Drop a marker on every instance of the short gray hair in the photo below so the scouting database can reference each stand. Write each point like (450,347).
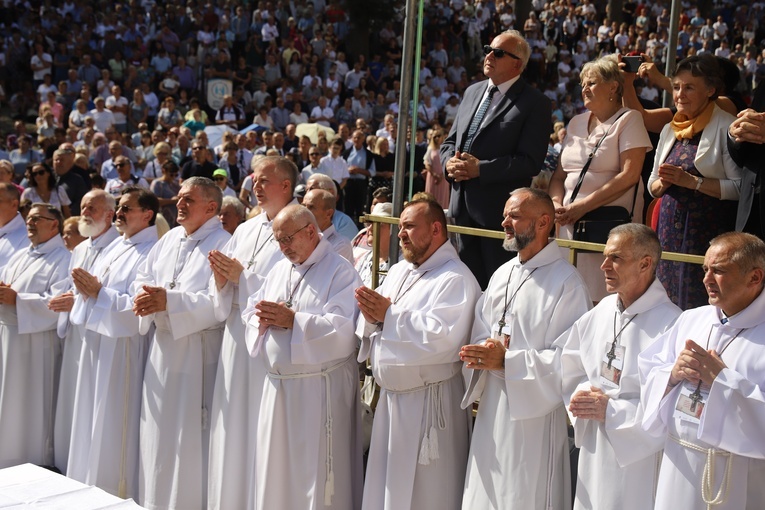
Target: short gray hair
(523,49)
(748,251)
(236,204)
(209,189)
(324,182)
(643,241)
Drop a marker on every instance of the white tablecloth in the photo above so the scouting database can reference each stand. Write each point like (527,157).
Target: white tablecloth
(31,487)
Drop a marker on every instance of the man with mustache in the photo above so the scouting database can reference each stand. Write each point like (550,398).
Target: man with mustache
(519,450)
(412,328)
(31,353)
(104,441)
(95,223)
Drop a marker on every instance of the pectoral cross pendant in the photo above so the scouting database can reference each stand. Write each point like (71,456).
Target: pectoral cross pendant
(288,304)
(696,397)
(611,355)
(172,285)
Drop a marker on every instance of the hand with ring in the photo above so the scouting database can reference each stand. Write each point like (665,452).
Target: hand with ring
(489,355)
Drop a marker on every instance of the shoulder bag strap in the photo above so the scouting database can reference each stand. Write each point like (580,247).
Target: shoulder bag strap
(589,160)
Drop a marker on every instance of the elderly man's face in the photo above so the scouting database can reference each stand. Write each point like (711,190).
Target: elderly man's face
(620,266)
(41,226)
(229,218)
(296,241)
(726,284)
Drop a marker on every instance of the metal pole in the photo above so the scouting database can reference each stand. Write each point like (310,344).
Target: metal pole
(403,121)
(415,98)
(669,69)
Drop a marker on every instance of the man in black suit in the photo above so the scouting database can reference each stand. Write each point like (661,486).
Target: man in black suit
(497,144)
(746,144)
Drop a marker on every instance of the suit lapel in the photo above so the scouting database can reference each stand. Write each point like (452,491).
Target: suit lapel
(505,102)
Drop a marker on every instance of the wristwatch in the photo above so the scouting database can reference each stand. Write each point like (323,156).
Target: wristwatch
(699,182)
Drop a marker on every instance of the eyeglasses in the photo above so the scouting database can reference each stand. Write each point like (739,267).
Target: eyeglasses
(39,173)
(163,154)
(220,178)
(34,219)
(197,148)
(126,209)
(314,154)
(120,165)
(499,52)
(287,240)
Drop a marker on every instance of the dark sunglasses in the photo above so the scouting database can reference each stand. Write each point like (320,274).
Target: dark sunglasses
(499,52)
(220,178)
(39,173)
(120,165)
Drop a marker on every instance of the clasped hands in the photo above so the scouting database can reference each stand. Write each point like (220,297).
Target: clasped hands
(489,355)
(462,166)
(696,364)
(150,300)
(589,404)
(748,127)
(372,304)
(224,268)
(674,175)
(275,314)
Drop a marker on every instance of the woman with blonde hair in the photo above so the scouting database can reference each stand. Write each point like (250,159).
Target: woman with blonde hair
(435,183)
(162,154)
(595,184)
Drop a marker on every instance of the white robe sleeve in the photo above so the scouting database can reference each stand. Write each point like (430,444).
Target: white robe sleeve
(535,373)
(112,314)
(144,277)
(429,335)
(734,416)
(222,299)
(655,365)
(190,312)
(32,310)
(321,338)
(251,321)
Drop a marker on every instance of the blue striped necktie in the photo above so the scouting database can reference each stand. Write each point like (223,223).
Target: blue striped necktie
(478,118)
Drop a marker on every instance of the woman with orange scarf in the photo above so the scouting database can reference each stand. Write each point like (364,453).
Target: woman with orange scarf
(696,177)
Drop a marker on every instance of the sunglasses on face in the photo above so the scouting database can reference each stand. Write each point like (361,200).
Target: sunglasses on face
(39,173)
(220,178)
(499,52)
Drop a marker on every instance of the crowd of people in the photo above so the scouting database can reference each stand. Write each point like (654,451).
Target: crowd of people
(165,334)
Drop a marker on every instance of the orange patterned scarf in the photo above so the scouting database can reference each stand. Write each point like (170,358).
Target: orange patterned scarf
(686,128)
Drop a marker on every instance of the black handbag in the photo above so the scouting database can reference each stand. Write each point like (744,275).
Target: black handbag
(595,225)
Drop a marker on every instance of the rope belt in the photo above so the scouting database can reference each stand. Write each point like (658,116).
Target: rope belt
(434,418)
(708,476)
(329,485)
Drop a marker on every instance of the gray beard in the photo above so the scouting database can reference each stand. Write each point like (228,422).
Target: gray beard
(91,229)
(520,241)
